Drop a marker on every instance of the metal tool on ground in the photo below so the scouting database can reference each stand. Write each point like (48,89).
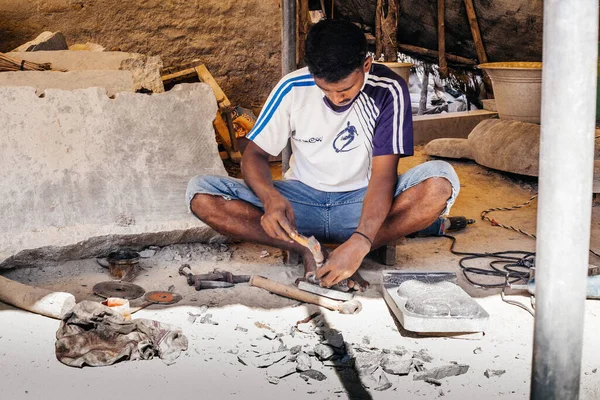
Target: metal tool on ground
(431,302)
(292,292)
(214,280)
(323,291)
(158,297)
(123,290)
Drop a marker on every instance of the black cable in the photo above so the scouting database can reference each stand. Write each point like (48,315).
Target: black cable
(515,264)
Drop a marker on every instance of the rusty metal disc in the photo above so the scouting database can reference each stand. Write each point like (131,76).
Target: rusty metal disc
(163,297)
(123,290)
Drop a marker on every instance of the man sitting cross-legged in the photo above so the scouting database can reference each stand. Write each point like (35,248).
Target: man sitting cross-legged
(350,123)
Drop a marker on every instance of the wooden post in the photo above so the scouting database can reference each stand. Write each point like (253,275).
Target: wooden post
(481,56)
(378,42)
(442,40)
(386,30)
(303,25)
(288,58)
(424,87)
(479,47)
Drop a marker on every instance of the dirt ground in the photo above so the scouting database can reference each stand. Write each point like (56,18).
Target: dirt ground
(242,318)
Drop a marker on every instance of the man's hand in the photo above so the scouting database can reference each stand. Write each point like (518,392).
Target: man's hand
(279,221)
(344,261)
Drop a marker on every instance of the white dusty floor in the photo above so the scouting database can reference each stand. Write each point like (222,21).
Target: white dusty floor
(210,368)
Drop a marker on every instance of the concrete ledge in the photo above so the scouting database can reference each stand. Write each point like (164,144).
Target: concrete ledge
(447,125)
(81,173)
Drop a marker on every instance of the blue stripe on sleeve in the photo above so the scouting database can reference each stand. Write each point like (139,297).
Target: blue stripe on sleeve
(283,90)
(267,106)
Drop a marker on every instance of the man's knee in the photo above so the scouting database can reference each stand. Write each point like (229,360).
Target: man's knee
(199,201)
(203,205)
(438,187)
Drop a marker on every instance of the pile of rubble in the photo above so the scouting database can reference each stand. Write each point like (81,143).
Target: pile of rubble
(312,350)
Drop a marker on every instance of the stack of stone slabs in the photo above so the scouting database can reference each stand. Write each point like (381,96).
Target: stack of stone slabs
(82,174)
(113,70)
(431,302)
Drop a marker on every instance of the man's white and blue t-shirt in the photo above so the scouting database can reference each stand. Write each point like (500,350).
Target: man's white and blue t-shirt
(333,149)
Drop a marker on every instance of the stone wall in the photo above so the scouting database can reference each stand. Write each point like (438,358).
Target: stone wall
(239,41)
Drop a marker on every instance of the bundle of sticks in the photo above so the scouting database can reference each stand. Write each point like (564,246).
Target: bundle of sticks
(10,64)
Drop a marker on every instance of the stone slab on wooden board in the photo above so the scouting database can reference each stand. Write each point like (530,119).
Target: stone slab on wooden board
(47,41)
(145,69)
(111,82)
(449,148)
(82,173)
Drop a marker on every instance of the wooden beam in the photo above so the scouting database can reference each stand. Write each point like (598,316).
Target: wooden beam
(434,54)
(479,47)
(378,41)
(442,39)
(186,73)
(389,30)
(386,30)
(481,56)
(206,77)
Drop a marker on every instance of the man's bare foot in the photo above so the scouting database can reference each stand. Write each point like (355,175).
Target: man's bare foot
(357,282)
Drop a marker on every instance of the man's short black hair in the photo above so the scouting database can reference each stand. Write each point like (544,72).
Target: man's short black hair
(335,49)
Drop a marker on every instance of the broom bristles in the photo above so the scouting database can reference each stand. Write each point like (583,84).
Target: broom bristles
(10,64)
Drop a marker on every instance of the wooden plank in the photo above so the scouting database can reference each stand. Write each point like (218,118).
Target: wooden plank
(186,73)
(207,78)
(442,39)
(221,128)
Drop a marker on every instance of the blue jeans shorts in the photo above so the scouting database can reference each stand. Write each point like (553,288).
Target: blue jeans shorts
(329,216)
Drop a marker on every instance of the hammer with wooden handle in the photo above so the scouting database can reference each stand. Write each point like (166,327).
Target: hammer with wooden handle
(292,292)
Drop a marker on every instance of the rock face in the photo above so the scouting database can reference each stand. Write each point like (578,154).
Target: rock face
(510,146)
(82,173)
(238,41)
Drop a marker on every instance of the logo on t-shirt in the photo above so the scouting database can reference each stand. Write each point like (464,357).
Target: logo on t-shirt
(344,139)
(310,140)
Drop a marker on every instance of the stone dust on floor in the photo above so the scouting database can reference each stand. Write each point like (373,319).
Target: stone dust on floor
(246,342)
